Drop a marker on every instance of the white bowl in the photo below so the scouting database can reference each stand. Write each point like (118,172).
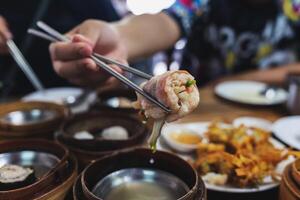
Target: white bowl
(177,146)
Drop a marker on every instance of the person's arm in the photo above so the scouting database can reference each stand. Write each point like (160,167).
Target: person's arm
(147,34)
(5,34)
(274,76)
(131,38)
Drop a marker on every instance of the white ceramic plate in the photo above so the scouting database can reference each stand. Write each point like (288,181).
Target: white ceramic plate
(287,130)
(253,122)
(200,128)
(248,92)
(57,95)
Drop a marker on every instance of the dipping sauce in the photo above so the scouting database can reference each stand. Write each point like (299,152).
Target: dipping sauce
(185,137)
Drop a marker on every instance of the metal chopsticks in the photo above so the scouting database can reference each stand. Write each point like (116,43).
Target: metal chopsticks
(61,37)
(123,66)
(54,36)
(23,64)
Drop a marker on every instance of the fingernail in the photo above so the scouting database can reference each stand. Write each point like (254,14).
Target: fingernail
(75,38)
(84,52)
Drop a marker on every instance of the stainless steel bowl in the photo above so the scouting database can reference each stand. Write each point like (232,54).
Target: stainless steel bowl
(151,184)
(26,117)
(41,162)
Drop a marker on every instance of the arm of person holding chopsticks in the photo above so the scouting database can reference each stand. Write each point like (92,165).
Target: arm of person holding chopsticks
(131,38)
(5,34)
(139,36)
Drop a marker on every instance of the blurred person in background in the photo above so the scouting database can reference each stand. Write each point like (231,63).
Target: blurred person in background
(258,38)
(17,16)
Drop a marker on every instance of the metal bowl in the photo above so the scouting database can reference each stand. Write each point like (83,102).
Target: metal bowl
(41,162)
(28,117)
(60,188)
(25,119)
(48,159)
(151,184)
(140,168)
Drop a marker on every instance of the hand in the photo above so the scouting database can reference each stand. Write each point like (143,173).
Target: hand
(71,60)
(5,34)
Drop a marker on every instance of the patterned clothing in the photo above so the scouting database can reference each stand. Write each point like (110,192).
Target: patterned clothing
(229,36)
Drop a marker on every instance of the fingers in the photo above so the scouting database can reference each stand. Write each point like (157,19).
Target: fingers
(75,69)
(80,38)
(4,30)
(3,47)
(88,31)
(72,60)
(5,34)
(62,51)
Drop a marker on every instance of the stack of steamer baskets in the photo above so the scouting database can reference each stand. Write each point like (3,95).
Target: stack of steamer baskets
(290,184)
(87,149)
(31,119)
(53,170)
(165,175)
(31,165)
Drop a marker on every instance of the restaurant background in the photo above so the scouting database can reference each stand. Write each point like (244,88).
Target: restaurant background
(235,137)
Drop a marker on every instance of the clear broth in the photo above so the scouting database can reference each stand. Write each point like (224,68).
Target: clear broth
(146,191)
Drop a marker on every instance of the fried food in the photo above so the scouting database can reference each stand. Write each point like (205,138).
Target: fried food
(245,155)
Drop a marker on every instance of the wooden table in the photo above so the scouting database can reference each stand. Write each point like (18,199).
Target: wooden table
(214,108)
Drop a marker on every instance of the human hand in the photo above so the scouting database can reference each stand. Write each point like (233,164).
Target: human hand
(5,34)
(71,59)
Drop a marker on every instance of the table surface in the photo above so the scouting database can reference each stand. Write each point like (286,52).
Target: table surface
(214,108)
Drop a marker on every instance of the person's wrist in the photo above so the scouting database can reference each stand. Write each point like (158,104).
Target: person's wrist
(124,41)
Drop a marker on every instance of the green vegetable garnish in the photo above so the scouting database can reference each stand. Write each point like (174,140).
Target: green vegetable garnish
(153,147)
(189,83)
